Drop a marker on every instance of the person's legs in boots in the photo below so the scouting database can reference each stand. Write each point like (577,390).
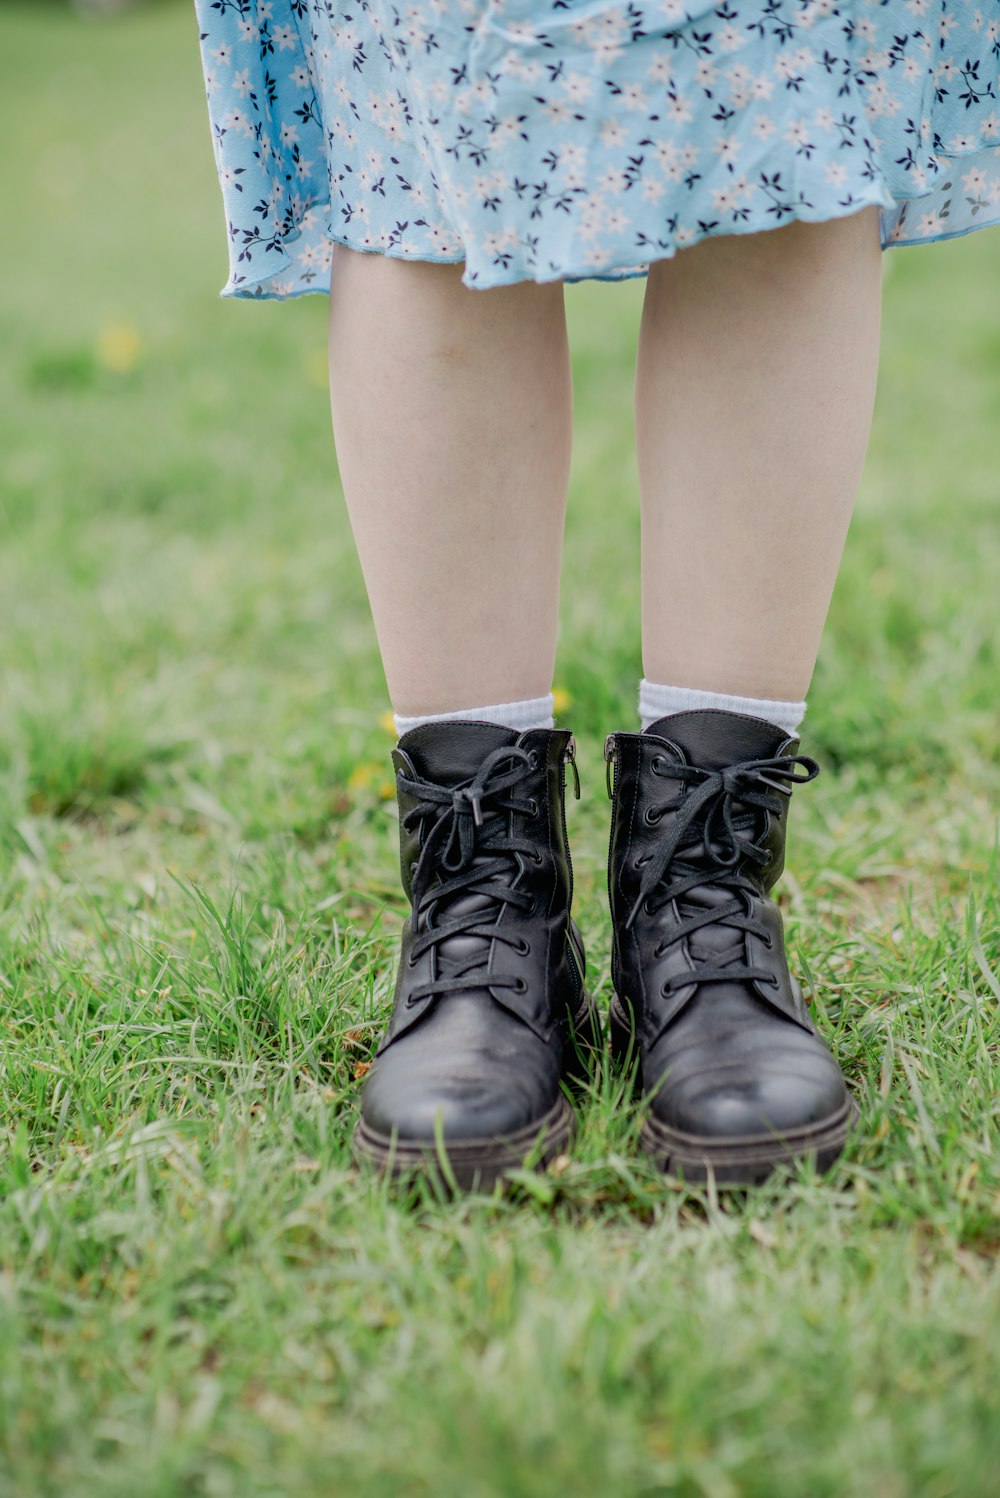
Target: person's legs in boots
(755,385)
(452,412)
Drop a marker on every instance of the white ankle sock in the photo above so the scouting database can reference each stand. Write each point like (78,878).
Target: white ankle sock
(530,712)
(656,701)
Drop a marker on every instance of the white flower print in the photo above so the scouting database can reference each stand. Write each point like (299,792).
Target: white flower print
(239,122)
(592,215)
(740,85)
(799,135)
(975,180)
(678,109)
(931,223)
(705,73)
(557,111)
(633,96)
(612,181)
(724,199)
(578,88)
(730,38)
(613,134)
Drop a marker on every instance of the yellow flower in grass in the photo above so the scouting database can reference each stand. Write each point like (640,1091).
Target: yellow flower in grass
(118,348)
(561,700)
(318,369)
(388,722)
(369,775)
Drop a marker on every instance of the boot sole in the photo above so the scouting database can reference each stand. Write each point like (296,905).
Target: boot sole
(744,1160)
(477,1164)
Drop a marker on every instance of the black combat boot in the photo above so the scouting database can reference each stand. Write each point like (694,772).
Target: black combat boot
(490,1014)
(736,1077)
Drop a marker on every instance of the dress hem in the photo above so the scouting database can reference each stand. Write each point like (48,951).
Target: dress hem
(252,290)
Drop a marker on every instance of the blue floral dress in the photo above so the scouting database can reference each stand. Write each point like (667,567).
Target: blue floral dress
(568,139)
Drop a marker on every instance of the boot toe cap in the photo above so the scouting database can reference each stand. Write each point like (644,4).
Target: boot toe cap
(731,1100)
(469,1099)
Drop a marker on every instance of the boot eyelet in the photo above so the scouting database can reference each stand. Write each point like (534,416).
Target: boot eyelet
(641,861)
(656,765)
(520,986)
(534,808)
(651,816)
(533,760)
(537,857)
(523,948)
(773,981)
(768,942)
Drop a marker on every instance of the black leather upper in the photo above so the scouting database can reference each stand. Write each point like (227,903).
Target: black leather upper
(697,843)
(491,966)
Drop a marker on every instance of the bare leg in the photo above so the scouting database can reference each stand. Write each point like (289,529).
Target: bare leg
(755,384)
(452,412)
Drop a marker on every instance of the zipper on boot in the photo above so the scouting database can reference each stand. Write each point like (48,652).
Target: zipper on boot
(589,1036)
(610,758)
(569,758)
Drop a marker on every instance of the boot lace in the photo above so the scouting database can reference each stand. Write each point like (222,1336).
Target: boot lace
(466,850)
(708,827)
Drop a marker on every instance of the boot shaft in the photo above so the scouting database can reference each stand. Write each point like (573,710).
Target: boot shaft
(690,755)
(699,820)
(456,788)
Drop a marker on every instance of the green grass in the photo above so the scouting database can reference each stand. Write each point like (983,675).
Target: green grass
(199,1294)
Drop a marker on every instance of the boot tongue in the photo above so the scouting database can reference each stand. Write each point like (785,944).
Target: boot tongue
(451,751)
(713,739)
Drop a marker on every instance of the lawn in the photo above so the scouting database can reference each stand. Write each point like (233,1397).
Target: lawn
(200,1294)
